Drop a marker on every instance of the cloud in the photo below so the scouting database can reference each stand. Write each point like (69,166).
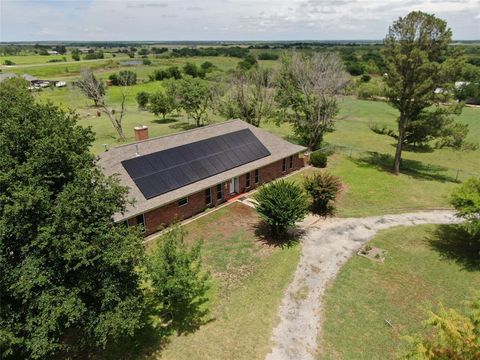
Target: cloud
(146,4)
(222,19)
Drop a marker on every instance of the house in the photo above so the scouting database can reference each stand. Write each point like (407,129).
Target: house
(5,76)
(52,52)
(85,50)
(180,175)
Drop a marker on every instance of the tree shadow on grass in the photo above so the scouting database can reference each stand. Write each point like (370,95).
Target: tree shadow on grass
(182,126)
(425,148)
(413,168)
(167,120)
(454,243)
(265,236)
(147,342)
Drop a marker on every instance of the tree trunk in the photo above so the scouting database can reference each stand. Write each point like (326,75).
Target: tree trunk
(121,135)
(402,124)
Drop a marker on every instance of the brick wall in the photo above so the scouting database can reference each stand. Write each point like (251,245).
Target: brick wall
(165,215)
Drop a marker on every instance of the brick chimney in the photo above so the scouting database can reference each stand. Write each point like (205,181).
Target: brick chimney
(141,132)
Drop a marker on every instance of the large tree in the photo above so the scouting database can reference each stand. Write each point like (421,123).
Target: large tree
(415,51)
(68,279)
(94,89)
(162,103)
(195,97)
(307,90)
(251,96)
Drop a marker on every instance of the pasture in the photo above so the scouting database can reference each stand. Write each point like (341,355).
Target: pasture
(425,265)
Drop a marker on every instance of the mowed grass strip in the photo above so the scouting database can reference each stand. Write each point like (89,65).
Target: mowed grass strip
(425,265)
(249,278)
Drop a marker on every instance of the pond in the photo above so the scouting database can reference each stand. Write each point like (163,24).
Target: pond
(132,62)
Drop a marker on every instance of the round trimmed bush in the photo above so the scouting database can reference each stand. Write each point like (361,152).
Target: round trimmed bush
(281,204)
(318,159)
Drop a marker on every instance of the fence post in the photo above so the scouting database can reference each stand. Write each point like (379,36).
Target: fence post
(350,153)
(458,172)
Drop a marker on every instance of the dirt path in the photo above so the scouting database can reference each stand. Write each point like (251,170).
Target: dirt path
(326,247)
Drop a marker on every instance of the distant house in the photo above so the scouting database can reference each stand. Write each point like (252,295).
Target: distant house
(85,50)
(460,84)
(31,79)
(177,176)
(5,76)
(52,52)
(35,83)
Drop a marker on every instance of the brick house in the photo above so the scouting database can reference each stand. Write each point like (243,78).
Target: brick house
(180,175)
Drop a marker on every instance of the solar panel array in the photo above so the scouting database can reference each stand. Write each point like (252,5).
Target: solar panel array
(167,170)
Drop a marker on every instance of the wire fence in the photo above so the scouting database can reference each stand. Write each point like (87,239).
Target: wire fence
(408,166)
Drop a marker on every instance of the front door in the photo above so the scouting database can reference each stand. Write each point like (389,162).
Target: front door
(234,185)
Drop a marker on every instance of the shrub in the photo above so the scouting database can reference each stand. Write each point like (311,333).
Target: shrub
(281,204)
(8,62)
(207,66)
(369,90)
(323,188)
(267,56)
(142,99)
(147,62)
(191,69)
(161,103)
(452,335)
(124,78)
(175,285)
(94,55)
(365,78)
(466,200)
(318,159)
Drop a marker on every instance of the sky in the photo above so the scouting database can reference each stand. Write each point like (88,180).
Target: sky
(170,20)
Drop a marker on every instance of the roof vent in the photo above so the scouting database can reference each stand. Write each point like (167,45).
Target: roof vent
(136,150)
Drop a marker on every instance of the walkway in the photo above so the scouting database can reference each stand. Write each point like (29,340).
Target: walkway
(327,245)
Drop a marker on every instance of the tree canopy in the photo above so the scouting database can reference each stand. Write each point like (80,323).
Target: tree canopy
(67,271)
(415,50)
(307,90)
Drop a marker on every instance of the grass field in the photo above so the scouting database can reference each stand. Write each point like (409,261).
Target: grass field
(369,190)
(425,265)
(369,186)
(249,277)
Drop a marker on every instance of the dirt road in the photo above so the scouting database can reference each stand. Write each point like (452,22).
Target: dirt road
(326,247)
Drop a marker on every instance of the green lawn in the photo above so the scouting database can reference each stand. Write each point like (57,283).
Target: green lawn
(353,130)
(369,190)
(249,277)
(425,265)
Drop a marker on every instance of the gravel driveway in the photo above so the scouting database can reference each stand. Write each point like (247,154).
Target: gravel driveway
(326,247)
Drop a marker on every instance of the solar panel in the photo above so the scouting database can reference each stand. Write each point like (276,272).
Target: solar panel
(167,170)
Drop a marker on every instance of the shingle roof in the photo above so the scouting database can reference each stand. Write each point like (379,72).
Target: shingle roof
(110,161)
(6,76)
(29,77)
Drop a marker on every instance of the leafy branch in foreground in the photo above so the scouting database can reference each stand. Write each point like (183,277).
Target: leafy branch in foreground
(453,335)
(175,284)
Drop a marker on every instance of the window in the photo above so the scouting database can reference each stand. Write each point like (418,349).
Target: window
(247,180)
(183,201)
(257,176)
(219,192)
(291,162)
(284,165)
(208,196)
(141,221)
